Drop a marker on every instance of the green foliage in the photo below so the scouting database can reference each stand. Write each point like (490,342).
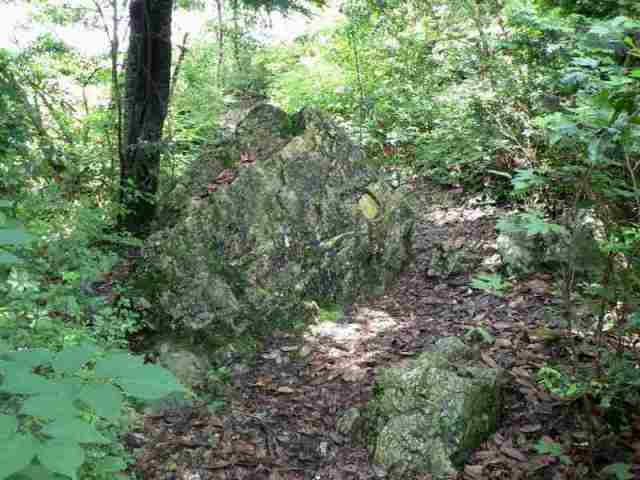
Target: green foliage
(619,471)
(552,448)
(491,282)
(58,403)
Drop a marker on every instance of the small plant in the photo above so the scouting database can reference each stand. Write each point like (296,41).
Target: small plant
(491,282)
(331,313)
(56,405)
(619,471)
(559,384)
(548,447)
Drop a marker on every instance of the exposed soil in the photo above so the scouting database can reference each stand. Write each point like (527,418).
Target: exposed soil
(281,413)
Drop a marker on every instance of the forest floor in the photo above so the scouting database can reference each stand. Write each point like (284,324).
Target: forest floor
(280,418)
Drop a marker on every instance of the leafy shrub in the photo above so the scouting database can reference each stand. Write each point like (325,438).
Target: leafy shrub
(57,403)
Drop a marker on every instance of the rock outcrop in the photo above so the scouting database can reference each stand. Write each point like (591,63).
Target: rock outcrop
(429,415)
(283,211)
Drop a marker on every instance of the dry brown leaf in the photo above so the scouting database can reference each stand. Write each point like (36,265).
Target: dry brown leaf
(488,360)
(531,428)
(513,453)
(285,390)
(264,382)
(503,343)
(502,325)
(354,374)
(474,471)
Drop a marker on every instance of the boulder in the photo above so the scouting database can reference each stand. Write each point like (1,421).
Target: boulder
(431,413)
(524,253)
(190,367)
(283,212)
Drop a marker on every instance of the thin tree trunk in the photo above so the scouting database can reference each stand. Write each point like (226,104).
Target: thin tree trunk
(220,70)
(148,79)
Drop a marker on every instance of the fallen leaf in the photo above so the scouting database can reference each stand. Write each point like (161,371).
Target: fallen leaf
(488,360)
(531,428)
(502,325)
(354,374)
(474,471)
(513,453)
(291,348)
(263,382)
(227,176)
(285,390)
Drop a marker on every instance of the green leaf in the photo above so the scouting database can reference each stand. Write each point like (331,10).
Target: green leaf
(7,259)
(50,406)
(105,399)
(19,381)
(8,426)
(14,236)
(35,471)
(73,430)
(117,364)
(149,382)
(16,454)
(32,358)
(61,456)
(635,73)
(73,358)
(621,471)
(110,465)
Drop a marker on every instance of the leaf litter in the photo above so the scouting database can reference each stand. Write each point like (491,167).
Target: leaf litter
(279,421)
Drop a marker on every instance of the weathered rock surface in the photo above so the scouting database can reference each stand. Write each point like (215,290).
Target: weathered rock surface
(189,366)
(283,212)
(432,413)
(524,253)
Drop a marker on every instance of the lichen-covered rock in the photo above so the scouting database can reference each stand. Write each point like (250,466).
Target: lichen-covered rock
(269,220)
(434,412)
(188,367)
(524,253)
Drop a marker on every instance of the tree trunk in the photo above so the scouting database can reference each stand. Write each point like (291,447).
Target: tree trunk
(148,80)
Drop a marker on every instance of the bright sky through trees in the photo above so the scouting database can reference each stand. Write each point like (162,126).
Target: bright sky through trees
(15,25)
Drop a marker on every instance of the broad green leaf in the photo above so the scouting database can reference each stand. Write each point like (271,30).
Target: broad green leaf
(620,471)
(35,471)
(22,382)
(15,454)
(73,430)
(32,358)
(117,364)
(62,456)
(105,399)
(14,236)
(6,203)
(8,426)
(635,73)
(73,358)
(8,259)
(149,382)
(50,406)
(110,465)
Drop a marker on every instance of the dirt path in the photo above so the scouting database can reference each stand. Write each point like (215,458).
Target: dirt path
(281,420)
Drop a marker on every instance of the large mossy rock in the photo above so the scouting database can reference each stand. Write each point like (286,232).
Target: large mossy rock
(433,413)
(524,253)
(284,211)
